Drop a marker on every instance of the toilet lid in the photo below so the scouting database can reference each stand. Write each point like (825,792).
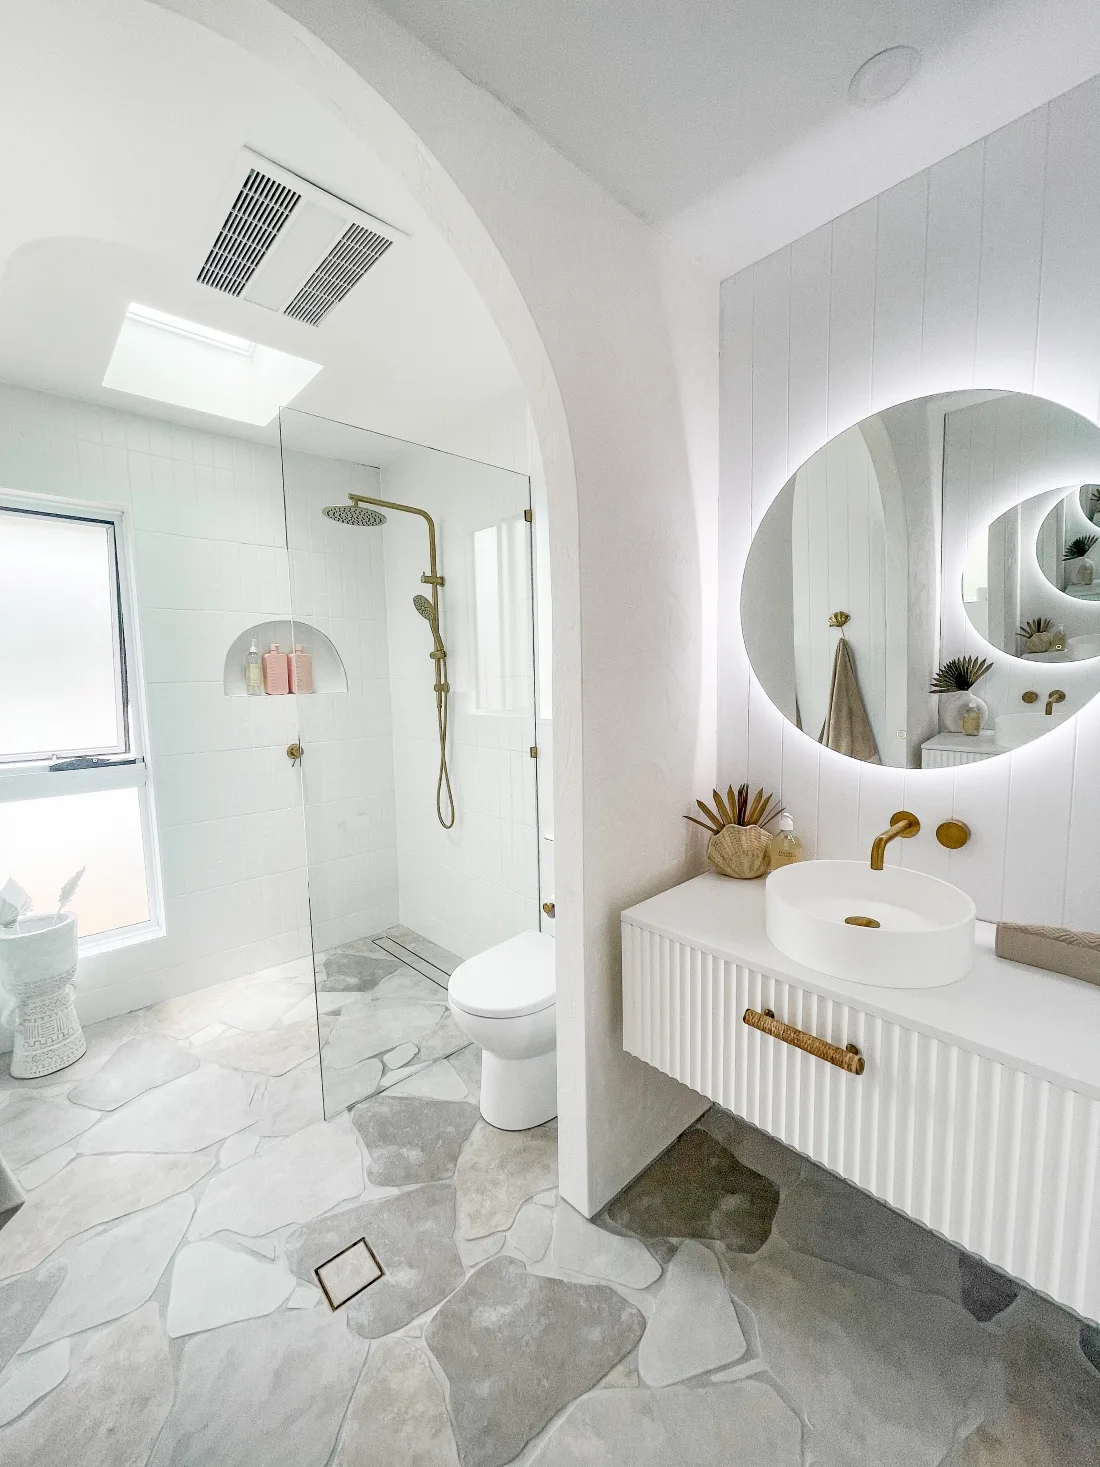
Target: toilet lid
(504,982)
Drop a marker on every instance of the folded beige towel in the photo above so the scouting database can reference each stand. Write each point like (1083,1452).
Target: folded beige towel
(847,729)
(1058,949)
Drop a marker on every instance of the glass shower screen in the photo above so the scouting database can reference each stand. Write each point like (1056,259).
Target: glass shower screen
(412,608)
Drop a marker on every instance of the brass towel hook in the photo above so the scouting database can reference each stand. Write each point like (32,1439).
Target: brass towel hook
(839,620)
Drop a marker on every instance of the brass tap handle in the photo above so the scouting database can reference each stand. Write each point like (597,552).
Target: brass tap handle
(848,1058)
(1031,696)
(953,834)
(1057,696)
(294,753)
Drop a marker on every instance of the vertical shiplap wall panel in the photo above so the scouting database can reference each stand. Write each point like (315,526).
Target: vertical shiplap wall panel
(851,317)
(735,512)
(1082,855)
(899,291)
(1012,252)
(1067,367)
(808,387)
(951,270)
(770,377)
(981,271)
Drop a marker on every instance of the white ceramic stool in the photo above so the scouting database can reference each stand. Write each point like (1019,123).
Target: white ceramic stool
(37,967)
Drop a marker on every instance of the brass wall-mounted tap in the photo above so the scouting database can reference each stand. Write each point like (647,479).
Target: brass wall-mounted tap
(903,825)
(1056,697)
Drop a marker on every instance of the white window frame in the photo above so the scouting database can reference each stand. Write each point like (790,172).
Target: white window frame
(125,768)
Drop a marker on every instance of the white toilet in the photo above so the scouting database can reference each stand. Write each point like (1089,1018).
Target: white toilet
(504,1000)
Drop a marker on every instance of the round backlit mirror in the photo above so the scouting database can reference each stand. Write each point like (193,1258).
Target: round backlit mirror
(919,593)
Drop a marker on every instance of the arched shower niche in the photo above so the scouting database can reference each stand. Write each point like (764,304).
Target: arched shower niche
(329,675)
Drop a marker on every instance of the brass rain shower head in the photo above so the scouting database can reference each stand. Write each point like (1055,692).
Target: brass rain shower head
(359,515)
(362,514)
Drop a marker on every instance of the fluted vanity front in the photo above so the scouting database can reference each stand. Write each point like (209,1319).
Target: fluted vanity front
(976,1109)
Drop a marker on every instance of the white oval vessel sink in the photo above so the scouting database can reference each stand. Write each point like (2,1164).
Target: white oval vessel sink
(1081,648)
(925,932)
(1013,730)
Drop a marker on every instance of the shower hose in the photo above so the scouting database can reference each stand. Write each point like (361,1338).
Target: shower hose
(442,717)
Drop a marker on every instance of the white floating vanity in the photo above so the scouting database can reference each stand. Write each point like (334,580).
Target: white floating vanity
(976,1108)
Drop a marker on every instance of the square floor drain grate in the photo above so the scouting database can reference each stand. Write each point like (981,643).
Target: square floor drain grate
(348,1273)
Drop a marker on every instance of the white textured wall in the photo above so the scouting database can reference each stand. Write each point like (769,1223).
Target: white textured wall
(206,515)
(983,271)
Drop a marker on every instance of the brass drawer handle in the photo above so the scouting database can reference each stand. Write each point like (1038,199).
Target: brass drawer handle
(848,1058)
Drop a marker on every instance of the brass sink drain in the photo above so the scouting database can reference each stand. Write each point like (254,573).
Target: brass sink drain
(861,922)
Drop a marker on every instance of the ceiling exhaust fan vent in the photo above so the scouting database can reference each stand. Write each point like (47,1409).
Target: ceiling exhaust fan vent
(257,214)
(343,267)
(283,243)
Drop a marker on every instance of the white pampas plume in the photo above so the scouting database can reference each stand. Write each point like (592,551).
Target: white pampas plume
(14,901)
(69,890)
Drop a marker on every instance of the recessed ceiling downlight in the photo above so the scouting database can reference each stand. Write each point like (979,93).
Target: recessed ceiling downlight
(883,76)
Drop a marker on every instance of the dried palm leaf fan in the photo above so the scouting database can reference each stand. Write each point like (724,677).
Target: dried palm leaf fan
(1079,547)
(959,674)
(1037,626)
(739,839)
(1039,634)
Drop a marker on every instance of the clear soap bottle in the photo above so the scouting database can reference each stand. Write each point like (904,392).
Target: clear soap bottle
(253,671)
(786,848)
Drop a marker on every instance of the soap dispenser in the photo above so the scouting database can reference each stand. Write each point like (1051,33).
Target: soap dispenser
(786,848)
(300,669)
(253,671)
(276,677)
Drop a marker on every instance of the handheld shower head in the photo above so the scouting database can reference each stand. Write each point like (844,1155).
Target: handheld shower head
(425,609)
(359,515)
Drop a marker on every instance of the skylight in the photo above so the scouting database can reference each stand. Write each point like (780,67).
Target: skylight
(193,329)
(168,359)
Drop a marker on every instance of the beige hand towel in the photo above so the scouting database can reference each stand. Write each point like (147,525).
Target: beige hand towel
(847,729)
(1058,949)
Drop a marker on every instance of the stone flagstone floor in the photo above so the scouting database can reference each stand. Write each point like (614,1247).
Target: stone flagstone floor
(733,1307)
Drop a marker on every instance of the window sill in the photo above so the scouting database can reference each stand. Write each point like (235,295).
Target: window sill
(120,937)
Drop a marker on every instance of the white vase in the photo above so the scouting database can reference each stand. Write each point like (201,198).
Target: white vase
(954,705)
(37,966)
(1082,572)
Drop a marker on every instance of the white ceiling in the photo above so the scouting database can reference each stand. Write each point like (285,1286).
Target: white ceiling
(122,123)
(663,101)
(726,123)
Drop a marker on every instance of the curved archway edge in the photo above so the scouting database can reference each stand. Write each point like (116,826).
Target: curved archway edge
(584,297)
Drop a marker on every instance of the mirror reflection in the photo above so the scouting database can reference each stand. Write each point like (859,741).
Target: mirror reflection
(911,582)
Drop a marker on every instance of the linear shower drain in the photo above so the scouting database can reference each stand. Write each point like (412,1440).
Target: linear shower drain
(348,1273)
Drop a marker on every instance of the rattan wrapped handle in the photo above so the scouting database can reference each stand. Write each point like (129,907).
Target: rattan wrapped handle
(848,1058)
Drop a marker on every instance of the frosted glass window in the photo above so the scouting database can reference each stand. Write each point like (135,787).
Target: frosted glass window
(43,842)
(63,691)
(502,608)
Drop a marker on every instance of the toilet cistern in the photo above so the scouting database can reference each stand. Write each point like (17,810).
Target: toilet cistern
(903,825)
